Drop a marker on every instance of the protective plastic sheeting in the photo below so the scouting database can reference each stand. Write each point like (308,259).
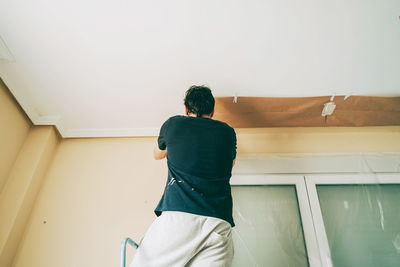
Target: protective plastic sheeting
(362,224)
(268,228)
(349,203)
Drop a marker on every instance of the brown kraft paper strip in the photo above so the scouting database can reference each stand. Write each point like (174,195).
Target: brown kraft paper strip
(258,112)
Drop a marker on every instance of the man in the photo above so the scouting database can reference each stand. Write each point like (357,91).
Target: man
(193,227)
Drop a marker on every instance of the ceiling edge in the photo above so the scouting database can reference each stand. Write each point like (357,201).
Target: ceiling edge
(22,101)
(47,120)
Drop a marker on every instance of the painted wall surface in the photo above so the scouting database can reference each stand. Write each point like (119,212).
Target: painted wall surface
(24,182)
(14,128)
(98,191)
(319,140)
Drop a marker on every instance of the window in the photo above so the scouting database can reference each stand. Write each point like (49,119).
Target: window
(269,212)
(317,220)
(357,219)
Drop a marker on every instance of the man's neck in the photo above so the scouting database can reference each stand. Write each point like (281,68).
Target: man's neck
(195,115)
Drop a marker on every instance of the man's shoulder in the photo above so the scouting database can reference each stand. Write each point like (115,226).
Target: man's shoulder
(224,124)
(177,117)
(181,118)
(174,118)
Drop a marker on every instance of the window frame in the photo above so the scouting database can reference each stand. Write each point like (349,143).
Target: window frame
(311,243)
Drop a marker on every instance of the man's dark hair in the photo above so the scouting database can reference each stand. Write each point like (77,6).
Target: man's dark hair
(199,100)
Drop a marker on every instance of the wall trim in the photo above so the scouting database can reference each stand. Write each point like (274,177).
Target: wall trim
(47,120)
(110,132)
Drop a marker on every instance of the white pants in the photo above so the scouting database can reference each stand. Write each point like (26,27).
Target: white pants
(185,239)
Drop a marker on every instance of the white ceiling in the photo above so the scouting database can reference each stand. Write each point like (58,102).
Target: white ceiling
(120,68)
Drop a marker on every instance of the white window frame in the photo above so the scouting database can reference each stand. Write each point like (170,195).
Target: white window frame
(337,179)
(309,234)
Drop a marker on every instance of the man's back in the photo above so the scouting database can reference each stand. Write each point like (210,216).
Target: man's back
(200,157)
(200,146)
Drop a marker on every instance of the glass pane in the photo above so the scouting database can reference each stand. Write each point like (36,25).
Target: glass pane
(268,228)
(362,223)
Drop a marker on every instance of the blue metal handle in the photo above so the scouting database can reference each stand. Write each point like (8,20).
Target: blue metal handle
(123,249)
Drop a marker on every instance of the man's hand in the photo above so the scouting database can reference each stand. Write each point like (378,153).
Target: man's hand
(159,154)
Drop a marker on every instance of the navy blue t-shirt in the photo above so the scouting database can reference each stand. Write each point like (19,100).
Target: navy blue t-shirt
(200,156)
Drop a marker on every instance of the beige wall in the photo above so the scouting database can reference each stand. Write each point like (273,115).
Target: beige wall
(21,189)
(14,128)
(97,191)
(319,140)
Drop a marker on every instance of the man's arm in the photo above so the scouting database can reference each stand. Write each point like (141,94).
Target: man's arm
(160,150)
(159,154)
